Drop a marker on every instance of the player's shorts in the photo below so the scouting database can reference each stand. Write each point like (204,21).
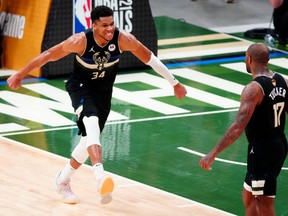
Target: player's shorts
(89,102)
(265,160)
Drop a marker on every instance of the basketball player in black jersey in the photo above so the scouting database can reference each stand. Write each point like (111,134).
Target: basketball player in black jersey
(90,88)
(262,115)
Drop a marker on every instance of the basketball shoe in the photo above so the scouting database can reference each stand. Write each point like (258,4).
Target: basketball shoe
(64,190)
(105,184)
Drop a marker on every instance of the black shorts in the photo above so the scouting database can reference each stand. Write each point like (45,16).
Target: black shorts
(94,102)
(264,162)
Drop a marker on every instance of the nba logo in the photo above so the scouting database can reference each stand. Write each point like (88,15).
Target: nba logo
(81,15)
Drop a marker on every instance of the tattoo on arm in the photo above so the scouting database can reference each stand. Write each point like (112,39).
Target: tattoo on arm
(251,96)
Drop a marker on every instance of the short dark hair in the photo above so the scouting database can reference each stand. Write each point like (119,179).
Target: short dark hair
(259,52)
(101,11)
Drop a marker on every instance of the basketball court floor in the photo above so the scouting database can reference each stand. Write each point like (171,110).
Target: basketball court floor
(152,142)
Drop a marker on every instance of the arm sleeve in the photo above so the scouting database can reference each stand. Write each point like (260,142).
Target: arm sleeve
(161,69)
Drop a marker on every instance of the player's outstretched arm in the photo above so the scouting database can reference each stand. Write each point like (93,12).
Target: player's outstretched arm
(251,96)
(71,45)
(129,43)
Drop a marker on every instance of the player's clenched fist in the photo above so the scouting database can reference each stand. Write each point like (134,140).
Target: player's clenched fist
(14,81)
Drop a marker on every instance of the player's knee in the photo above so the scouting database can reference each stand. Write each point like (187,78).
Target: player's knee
(265,205)
(92,130)
(80,153)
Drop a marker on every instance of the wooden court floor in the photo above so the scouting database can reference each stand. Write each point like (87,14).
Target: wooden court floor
(26,188)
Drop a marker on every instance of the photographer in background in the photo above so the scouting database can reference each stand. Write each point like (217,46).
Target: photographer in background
(280,20)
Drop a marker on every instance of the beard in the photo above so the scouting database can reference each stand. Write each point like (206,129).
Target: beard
(248,69)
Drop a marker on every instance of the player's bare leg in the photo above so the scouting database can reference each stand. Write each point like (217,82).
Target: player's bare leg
(251,209)
(266,206)
(105,183)
(94,148)
(62,182)
(258,205)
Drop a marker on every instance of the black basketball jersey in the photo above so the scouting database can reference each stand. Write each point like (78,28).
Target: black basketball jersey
(268,119)
(98,65)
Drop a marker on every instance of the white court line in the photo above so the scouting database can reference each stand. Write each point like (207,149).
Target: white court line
(210,80)
(126,121)
(280,62)
(191,39)
(217,159)
(241,67)
(240,28)
(173,54)
(6,127)
(6,72)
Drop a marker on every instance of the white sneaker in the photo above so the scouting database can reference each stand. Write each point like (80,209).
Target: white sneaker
(106,186)
(64,189)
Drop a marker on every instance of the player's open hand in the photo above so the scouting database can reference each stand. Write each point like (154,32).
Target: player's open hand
(180,91)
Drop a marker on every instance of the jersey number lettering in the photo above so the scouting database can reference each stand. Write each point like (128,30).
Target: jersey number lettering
(278,108)
(98,75)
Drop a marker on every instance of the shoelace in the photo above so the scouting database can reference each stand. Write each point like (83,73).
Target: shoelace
(67,190)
